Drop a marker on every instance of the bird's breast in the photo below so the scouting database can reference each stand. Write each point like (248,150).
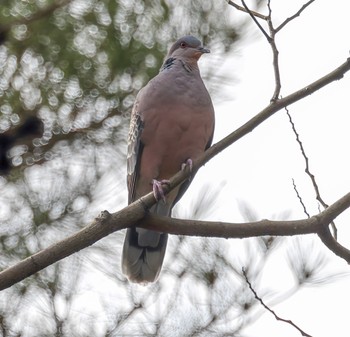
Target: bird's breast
(178,120)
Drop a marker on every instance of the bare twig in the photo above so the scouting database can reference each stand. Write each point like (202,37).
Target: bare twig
(278,318)
(275,53)
(271,37)
(300,199)
(240,8)
(271,40)
(256,21)
(293,16)
(308,172)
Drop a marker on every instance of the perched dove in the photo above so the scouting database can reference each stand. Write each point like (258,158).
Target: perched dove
(172,122)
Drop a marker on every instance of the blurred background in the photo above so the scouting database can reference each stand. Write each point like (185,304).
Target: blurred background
(69,73)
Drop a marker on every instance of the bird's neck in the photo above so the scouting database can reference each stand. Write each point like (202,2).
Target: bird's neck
(169,62)
(189,65)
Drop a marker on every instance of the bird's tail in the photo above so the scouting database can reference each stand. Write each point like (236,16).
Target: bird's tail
(144,250)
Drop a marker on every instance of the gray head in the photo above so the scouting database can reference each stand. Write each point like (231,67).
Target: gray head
(187,47)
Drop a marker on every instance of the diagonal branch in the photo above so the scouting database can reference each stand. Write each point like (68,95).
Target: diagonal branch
(300,199)
(278,318)
(306,159)
(285,22)
(252,15)
(271,109)
(308,172)
(135,212)
(240,8)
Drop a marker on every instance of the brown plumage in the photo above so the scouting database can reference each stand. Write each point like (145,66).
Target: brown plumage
(172,122)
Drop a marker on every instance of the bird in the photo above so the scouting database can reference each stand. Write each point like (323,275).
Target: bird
(172,122)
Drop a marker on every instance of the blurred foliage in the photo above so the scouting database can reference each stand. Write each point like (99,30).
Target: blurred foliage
(77,65)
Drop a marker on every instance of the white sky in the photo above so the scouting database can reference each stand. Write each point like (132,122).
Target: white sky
(259,168)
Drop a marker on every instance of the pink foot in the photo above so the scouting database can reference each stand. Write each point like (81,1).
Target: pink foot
(188,163)
(158,189)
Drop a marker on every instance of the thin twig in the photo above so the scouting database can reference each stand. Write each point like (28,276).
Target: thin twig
(256,21)
(275,53)
(240,8)
(293,16)
(308,172)
(300,199)
(271,40)
(278,318)
(271,37)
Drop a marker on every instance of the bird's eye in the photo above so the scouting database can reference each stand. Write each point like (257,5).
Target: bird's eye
(183,45)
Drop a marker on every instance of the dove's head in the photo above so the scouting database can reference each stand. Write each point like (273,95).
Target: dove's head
(188,47)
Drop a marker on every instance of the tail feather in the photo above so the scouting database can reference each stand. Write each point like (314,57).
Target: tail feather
(142,263)
(144,250)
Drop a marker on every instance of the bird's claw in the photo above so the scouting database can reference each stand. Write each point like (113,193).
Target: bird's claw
(158,189)
(188,163)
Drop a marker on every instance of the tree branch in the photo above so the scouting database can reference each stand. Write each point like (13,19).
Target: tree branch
(133,213)
(278,318)
(293,16)
(332,244)
(271,37)
(275,54)
(308,172)
(267,112)
(108,223)
(252,15)
(300,199)
(240,8)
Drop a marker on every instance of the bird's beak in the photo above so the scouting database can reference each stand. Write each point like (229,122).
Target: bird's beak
(203,50)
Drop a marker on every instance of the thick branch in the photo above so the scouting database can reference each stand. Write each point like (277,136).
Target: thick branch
(132,214)
(102,226)
(316,224)
(229,230)
(107,223)
(332,244)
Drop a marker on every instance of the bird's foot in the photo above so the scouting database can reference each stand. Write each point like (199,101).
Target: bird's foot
(188,163)
(158,188)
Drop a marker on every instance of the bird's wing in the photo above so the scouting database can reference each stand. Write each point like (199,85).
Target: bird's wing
(134,151)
